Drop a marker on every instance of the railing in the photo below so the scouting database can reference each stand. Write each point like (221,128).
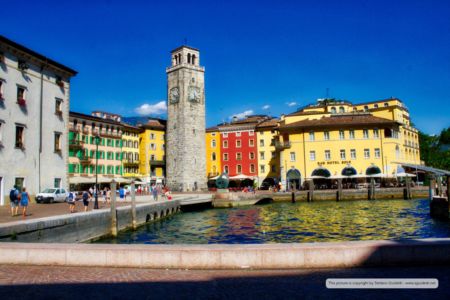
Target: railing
(75,144)
(157,162)
(282,145)
(85,159)
(130,162)
(110,134)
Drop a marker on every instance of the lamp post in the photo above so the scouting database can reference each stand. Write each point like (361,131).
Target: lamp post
(97,141)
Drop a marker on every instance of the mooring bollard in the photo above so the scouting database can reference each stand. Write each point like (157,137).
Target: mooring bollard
(408,188)
(339,191)
(371,192)
(431,188)
(133,205)
(113,209)
(293,197)
(311,191)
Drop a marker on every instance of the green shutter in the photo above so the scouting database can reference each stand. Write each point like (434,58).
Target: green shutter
(71,168)
(70,135)
(71,153)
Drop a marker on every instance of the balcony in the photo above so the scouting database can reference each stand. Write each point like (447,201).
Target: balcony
(75,144)
(85,160)
(110,134)
(282,145)
(156,163)
(130,163)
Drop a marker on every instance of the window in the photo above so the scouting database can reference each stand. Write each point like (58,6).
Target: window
(327,155)
(213,156)
(365,133)
(213,134)
(238,156)
(326,135)
(342,153)
(57,142)
(333,110)
(352,153)
(153,146)
(225,156)
(20,137)
(376,133)
(397,152)
(251,133)
(225,134)
(366,153)
(58,107)
(20,94)
(239,169)
(312,155)
(341,134)
(366,108)
(252,168)
(152,136)
(261,143)
(292,154)
(262,168)
(238,143)
(213,143)
(225,144)
(311,135)
(351,134)
(377,153)
(341,109)
(225,169)
(251,143)
(238,133)
(152,157)
(386,104)
(261,155)
(19,182)
(375,105)
(57,183)
(274,154)
(251,155)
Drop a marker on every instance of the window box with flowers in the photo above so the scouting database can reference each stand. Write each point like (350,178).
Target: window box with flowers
(21,102)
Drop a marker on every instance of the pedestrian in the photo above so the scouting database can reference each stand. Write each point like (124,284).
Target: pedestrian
(91,191)
(86,196)
(14,200)
(24,199)
(121,193)
(104,195)
(71,200)
(155,193)
(108,196)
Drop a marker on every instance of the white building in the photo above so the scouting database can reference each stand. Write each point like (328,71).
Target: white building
(34,117)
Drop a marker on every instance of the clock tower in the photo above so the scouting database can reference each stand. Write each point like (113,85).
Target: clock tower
(185,144)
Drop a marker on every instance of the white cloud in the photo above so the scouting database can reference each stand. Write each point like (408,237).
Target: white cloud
(148,109)
(265,107)
(290,104)
(242,114)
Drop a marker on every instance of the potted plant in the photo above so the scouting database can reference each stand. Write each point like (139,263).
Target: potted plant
(21,102)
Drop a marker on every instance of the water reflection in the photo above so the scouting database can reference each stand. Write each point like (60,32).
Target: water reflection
(289,223)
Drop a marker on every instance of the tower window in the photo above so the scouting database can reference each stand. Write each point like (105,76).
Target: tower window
(189,58)
(193,59)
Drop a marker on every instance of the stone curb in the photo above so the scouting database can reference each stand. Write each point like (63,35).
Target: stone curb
(265,256)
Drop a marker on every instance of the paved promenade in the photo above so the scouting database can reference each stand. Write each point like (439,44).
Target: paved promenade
(44,282)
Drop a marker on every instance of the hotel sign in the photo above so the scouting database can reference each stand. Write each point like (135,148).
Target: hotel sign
(334,162)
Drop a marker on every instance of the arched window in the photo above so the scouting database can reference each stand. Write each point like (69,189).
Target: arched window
(341,109)
(386,104)
(189,58)
(135,144)
(333,110)
(397,152)
(179,58)
(193,59)
(375,105)
(136,156)
(213,144)
(130,156)
(213,156)
(366,108)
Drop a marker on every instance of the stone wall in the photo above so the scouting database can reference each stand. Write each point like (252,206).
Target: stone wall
(81,227)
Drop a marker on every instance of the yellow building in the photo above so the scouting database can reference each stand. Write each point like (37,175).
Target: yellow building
(333,135)
(268,157)
(213,143)
(130,151)
(152,159)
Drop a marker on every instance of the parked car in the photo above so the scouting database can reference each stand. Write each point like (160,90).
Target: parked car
(51,195)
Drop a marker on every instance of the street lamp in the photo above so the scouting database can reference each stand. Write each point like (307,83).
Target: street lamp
(97,141)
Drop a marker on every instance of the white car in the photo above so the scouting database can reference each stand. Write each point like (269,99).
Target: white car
(52,195)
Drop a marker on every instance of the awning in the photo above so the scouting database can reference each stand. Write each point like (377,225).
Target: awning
(435,171)
(81,179)
(241,177)
(403,174)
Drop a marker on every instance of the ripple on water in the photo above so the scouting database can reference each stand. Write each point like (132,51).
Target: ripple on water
(299,222)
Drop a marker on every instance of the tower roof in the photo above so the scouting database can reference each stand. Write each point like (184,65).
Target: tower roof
(184,46)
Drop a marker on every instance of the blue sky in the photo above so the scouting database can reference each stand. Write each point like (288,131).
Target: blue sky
(256,53)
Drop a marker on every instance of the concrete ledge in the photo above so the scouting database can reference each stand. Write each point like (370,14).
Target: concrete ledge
(266,256)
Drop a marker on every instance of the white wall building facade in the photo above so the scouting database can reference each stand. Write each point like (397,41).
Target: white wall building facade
(34,117)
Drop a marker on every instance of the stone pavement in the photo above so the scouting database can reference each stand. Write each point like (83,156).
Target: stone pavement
(51,282)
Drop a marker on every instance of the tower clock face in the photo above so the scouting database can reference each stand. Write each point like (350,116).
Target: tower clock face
(174,95)
(194,94)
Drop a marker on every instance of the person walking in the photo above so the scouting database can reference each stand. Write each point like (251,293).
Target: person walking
(104,195)
(86,196)
(14,201)
(24,199)
(121,193)
(108,196)
(155,193)
(71,200)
